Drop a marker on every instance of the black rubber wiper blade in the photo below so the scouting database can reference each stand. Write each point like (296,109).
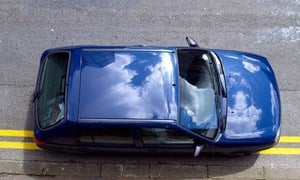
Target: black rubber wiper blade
(221,77)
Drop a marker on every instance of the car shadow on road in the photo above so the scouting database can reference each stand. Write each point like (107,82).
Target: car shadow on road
(45,162)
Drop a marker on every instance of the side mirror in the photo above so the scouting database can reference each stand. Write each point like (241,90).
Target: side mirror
(191,42)
(197,150)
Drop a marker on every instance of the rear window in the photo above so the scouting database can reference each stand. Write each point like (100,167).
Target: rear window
(52,87)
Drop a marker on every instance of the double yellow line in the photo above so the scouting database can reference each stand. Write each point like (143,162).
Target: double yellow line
(285,151)
(33,146)
(17,144)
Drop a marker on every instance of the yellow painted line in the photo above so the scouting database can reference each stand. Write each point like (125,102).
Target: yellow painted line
(18,145)
(29,133)
(281,151)
(289,139)
(33,146)
(16,133)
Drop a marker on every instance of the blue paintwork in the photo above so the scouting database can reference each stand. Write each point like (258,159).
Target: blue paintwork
(253,103)
(253,112)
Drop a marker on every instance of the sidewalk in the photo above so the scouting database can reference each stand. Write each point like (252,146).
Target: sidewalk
(44,170)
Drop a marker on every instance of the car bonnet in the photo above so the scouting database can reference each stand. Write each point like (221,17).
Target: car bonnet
(128,84)
(252,95)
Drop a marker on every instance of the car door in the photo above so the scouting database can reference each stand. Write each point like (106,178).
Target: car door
(165,140)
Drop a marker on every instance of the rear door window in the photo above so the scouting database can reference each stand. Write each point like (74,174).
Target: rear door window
(107,135)
(52,88)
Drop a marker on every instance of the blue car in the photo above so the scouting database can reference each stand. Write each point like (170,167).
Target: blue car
(155,99)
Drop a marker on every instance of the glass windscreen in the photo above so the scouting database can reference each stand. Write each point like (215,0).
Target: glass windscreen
(51,100)
(197,92)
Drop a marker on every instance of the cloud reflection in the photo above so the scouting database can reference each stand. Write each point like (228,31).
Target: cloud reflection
(251,67)
(274,102)
(111,91)
(199,104)
(243,116)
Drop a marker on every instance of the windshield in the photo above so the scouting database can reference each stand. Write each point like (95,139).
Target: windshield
(199,92)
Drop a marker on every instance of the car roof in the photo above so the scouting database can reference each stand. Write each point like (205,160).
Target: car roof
(132,47)
(134,84)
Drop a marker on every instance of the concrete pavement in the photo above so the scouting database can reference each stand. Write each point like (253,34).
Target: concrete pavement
(144,171)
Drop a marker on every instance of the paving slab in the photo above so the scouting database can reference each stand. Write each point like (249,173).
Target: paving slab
(236,172)
(178,171)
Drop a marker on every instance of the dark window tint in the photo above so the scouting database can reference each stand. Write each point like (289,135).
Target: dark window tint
(51,101)
(163,136)
(133,136)
(107,135)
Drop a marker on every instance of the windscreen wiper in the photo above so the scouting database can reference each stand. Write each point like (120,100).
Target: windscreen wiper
(221,78)
(220,73)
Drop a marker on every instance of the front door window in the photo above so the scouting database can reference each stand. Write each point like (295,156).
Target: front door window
(163,136)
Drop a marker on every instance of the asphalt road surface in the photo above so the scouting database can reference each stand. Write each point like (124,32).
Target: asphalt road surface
(269,28)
